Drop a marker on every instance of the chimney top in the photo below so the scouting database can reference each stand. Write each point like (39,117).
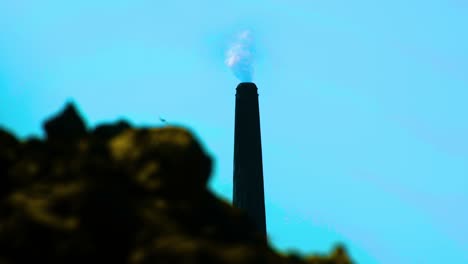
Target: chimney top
(246,87)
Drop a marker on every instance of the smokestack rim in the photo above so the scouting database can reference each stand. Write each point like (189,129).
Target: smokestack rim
(246,87)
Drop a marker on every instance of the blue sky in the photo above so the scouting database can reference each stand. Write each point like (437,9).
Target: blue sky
(363,104)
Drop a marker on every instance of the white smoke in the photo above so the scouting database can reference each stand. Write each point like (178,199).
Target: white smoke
(239,57)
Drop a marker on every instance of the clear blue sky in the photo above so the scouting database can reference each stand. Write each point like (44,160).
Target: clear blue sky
(363,104)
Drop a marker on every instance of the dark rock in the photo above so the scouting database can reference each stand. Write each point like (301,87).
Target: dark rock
(7,139)
(8,155)
(66,125)
(110,130)
(29,165)
(162,159)
(122,195)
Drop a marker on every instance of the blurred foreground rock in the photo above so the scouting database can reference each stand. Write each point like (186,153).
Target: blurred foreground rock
(118,194)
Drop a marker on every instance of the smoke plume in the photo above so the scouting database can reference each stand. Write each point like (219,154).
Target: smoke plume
(239,57)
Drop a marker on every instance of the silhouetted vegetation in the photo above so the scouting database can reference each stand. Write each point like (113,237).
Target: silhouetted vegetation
(118,194)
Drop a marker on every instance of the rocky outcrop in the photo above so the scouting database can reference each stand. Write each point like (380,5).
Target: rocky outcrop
(118,194)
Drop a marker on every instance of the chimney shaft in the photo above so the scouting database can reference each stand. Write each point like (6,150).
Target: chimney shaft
(248,169)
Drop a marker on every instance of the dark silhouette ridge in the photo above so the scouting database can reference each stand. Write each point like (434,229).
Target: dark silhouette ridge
(248,193)
(67,125)
(118,194)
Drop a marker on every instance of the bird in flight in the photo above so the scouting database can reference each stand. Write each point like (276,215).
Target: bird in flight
(162,119)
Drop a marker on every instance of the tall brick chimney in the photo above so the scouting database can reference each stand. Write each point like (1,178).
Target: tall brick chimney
(248,169)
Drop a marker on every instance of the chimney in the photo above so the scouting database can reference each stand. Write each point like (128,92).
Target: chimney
(248,169)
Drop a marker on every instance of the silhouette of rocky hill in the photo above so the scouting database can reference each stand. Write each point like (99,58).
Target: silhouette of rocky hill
(117,194)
